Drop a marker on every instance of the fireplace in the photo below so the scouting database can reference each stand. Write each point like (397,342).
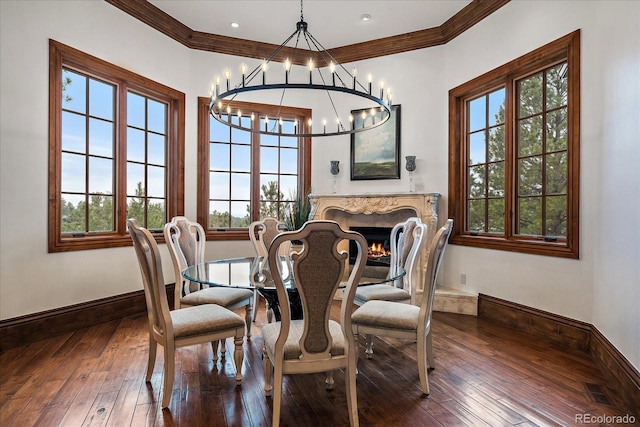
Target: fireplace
(378,245)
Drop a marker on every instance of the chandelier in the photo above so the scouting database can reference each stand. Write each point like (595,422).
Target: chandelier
(336,83)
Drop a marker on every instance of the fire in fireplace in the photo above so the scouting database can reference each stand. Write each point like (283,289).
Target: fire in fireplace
(378,243)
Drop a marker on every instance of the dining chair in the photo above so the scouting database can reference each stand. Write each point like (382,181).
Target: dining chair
(261,234)
(186,241)
(402,256)
(178,328)
(407,321)
(314,343)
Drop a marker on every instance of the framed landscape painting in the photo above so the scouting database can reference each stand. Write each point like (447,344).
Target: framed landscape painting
(375,153)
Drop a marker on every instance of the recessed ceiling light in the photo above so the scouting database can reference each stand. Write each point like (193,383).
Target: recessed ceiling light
(234,25)
(366,17)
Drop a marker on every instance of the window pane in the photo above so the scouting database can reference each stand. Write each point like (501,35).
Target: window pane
(241,158)
(268,160)
(270,140)
(496,180)
(557,86)
(135,145)
(241,136)
(476,182)
(476,215)
(135,110)
(477,148)
(269,187)
(288,141)
(289,186)
(72,213)
(101,99)
(156,214)
(557,130)
(100,175)
(477,114)
(269,197)
(240,214)
(157,112)
(496,143)
(73,173)
(240,186)
(530,216)
(530,95)
(530,136)
(74,91)
(219,214)
(496,107)
(556,173)
(155,182)
(136,207)
(219,131)
(219,156)
(219,185)
(530,176)
(101,213)
(288,161)
(556,224)
(157,145)
(73,132)
(101,138)
(135,179)
(495,223)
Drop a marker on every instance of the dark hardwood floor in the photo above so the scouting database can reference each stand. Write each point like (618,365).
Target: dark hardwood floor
(486,375)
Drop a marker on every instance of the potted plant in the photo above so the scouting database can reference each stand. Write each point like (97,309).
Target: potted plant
(297,212)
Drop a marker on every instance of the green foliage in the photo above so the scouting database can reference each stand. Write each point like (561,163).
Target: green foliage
(297,212)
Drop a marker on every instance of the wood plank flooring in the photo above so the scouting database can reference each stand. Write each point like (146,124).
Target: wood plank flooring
(486,375)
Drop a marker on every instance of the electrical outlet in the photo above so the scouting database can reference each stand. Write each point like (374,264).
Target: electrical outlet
(463,279)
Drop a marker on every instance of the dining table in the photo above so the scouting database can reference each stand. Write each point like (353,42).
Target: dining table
(236,273)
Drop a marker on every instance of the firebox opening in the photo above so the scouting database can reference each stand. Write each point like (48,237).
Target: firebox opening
(378,245)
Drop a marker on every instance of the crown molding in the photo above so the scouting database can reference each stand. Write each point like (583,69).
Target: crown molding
(470,15)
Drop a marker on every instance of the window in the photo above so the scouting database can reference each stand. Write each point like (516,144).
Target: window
(514,154)
(245,176)
(116,151)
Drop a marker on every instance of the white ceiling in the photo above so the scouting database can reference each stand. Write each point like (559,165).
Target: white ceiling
(333,23)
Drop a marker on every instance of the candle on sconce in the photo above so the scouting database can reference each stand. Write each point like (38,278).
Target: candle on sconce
(217,85)
(227,75)
(332,68)
(264,72)
(243,70)
(266,123)
(338,124)
(324,126)
(310,71)
(287,67)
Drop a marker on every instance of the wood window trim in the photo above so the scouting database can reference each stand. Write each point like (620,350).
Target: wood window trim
(304,163)
(62,55)
(565,48)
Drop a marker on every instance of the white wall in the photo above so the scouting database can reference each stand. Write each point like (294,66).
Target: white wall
(600,288)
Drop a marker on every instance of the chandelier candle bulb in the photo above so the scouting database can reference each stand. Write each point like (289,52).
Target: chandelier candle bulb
(354,72)
(243,70)
(264,72)
(332,68)
(227,75)
(287,67)
(370,79)
(310,71)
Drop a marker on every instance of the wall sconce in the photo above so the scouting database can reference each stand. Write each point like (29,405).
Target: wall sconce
(411,167)
(334,168)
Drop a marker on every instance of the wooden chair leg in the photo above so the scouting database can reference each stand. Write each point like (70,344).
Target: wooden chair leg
(169,372)
(223,348)
(256,299)
(214,349)
(248,310)
(153,348)
(238,357)
(267,369)
(351,391)
(277,395)
(369,350)
(329,381)
(430,359)
(422,364)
